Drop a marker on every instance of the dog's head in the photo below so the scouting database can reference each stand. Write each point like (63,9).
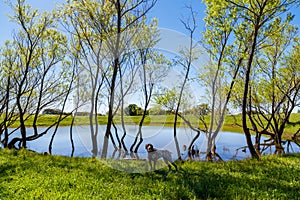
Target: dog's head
(149,147)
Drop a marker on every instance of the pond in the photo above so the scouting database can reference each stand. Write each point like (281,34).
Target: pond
(161,137)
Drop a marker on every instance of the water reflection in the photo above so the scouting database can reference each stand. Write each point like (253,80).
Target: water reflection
(229,145)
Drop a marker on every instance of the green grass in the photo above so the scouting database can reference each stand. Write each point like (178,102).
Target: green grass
(231,123)
(26,175)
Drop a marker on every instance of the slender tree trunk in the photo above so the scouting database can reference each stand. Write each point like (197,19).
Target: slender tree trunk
(91,115)
(22,124)
(257,143)
(278,144)
(245,96)
(180,98)
(122,140)
(175,133)
(209,148)
(5,143)
(93,137)
(110,110)
(122,115)
(71,136)
(140,134)
(117,136)
(116,66)
(193,141)
(63,108)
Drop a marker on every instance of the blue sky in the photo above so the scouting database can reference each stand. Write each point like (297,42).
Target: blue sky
(168,13)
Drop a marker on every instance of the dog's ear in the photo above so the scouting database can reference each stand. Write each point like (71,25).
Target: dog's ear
(149,147)
(146,146)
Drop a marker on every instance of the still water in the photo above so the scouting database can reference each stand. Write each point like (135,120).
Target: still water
(161,137)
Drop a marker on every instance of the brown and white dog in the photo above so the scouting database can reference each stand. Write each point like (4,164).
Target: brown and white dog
(155,154)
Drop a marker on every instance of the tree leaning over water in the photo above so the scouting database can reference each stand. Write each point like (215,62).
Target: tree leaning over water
(85,21)
(253,47)
(275,93)
(105,32)
(254,27)
(32,70)
(219,76)
(127,16)
(153,68)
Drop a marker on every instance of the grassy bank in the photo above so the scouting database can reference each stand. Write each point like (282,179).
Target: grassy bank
(26,175)
(231,123)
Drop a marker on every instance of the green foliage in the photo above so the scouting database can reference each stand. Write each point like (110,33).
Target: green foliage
(133,110)
(168,99)
(201,109)
(254,36)
(34,75)
(26,175)
(52,111)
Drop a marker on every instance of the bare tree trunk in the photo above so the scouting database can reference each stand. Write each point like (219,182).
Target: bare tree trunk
(278,144)
(123,126)
(110,109)
(117,136)
(188,59)
(193,141)
(116,65)
(122,115)
(5,121)
(140,134)
(245,97)
(147,98)
(63,108)
(71,136)
(121,11)
(175,128)
(93,136)
(22,127)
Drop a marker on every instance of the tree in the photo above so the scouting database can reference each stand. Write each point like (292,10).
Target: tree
(127,16)
(253,28)
(33,77)
(168,99)
(132,110)
(277,88)
(86,22)
(104,32)
(7,110)
(185,60)
(219,77)
(201,109)
(154,67)
(127,76)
